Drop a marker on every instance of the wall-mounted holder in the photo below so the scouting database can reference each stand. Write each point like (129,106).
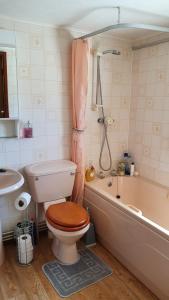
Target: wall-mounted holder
(100,120)
(107,120)
(96,107)
(9,128)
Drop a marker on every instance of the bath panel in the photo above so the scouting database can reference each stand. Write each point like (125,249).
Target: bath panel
(138,242)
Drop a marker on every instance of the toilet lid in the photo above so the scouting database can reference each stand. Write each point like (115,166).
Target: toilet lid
(67,214)
(67,229)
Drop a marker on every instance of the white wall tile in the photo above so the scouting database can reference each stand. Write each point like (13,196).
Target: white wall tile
(22,40)
(116,86)
(43,69)
(37,57)
(139,86)
(155,123)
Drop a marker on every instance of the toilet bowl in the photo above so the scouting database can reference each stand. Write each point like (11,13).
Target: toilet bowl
(64,244)
(50,182)
(65,237)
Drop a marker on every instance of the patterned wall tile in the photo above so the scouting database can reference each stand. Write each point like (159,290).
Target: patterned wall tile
(152,64)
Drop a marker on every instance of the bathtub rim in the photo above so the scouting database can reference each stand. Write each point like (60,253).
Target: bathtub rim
(125,209)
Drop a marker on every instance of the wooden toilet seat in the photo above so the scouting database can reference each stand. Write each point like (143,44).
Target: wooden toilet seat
(67,216)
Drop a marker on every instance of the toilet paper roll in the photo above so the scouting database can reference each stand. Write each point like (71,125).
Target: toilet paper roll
(25,258)
(25,238)
(22,202)
(24,242)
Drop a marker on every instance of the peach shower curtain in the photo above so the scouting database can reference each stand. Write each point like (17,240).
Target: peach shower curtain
(80,52)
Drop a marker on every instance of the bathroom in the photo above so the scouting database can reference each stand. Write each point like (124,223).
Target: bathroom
(135,99)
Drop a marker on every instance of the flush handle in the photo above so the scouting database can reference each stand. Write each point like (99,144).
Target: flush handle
(72,173)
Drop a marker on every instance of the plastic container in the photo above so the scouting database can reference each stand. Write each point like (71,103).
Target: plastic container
(132,169)
(127,159)
(121,168)
(124,165)
(28,131)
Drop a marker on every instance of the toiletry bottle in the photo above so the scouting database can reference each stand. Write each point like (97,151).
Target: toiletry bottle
(113,172)
(132,167)
(28,130)
(127,158)
(121,168)
(90,173)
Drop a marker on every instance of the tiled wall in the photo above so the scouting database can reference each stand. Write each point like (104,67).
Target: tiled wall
(43,58)
(43,64)
(149,118)
(43,71)
(116,89)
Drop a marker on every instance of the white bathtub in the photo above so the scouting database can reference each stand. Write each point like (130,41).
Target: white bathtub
(134,228)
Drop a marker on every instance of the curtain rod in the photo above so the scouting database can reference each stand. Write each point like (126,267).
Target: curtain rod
(146,45)
(125,26)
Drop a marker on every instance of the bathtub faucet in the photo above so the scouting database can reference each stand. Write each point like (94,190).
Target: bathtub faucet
(101,175)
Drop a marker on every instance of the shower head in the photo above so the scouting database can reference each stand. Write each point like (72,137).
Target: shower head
(111,51)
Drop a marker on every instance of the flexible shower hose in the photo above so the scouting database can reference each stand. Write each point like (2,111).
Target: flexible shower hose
(105,140)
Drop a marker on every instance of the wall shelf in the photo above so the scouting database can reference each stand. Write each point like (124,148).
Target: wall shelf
(9,128)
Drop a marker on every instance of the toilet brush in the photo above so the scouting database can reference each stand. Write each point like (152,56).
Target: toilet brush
(89,238)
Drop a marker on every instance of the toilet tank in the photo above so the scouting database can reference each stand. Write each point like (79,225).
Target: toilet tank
(50,180)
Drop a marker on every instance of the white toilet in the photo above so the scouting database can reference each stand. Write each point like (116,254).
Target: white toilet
(50,182)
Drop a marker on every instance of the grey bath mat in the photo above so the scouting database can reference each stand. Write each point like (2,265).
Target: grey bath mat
(68,280)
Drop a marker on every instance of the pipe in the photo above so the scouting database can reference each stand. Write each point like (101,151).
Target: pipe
(146,45)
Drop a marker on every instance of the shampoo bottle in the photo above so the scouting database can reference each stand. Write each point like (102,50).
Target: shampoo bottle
(132,167)
(127,158)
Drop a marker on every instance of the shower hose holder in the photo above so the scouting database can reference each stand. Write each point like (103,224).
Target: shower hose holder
(100,120)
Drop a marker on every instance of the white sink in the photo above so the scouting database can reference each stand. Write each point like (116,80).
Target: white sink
(10,181)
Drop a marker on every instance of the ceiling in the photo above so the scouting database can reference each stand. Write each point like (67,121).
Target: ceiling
(88,15)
